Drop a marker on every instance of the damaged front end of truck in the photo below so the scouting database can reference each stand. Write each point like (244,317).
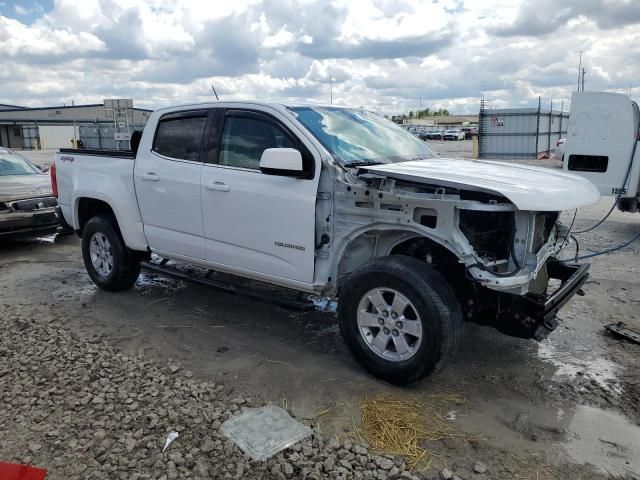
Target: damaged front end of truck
(498,250)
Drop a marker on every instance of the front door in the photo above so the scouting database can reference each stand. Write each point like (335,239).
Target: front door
(167,181)
(256,222)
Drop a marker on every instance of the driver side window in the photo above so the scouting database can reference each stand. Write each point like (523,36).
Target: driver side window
(244,139)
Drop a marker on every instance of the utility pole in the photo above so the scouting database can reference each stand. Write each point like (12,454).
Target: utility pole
(579,69)
(75,139)
(330,89)
(583,72)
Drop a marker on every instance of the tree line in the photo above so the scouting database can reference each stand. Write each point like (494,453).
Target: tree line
(427,112)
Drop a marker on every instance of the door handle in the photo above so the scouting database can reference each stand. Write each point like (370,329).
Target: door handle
(150,176)
(218,186)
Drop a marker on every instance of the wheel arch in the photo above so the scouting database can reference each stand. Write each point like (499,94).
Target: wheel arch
(87,205)
(369,243)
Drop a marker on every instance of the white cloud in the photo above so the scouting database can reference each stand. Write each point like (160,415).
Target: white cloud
(383,54)
(281,39)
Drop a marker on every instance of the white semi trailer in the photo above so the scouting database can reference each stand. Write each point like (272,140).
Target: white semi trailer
(601,146)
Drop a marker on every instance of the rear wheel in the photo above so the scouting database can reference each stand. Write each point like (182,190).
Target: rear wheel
(109,263)
(400,319)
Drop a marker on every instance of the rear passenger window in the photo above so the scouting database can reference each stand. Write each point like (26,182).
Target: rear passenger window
(180,137)
(244,139)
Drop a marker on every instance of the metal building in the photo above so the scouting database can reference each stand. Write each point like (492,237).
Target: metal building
(520,132)
(106,125)
(441,122)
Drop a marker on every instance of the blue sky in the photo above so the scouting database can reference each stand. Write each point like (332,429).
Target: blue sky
(26,11)
(386,55)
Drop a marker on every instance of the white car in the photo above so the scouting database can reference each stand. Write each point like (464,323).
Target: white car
(334,202)
(453,135)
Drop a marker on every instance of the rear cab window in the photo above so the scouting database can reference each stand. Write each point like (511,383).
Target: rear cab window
(180,135)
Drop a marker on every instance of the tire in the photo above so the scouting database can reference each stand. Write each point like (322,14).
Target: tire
(432,304)
(101,238)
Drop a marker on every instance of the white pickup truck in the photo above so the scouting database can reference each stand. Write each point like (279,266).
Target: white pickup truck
(335,202)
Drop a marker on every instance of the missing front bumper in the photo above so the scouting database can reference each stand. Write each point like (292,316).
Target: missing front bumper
(544,308)
(535,316)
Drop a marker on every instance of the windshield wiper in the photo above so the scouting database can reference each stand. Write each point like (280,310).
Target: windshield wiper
(362,163)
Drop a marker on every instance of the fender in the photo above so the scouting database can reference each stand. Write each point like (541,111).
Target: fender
(128,220)
(387,236)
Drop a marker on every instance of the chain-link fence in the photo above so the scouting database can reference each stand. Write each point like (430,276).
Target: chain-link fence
(96,135)
(102,137)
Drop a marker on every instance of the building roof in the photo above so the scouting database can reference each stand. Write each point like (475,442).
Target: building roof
(6,106)
(441,120)
(35,109)
(67,114)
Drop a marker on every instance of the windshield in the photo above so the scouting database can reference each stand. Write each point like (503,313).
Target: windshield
(358,137)
(12,164)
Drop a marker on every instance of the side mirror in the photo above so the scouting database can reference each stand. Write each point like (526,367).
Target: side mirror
(43,168)
(286,162)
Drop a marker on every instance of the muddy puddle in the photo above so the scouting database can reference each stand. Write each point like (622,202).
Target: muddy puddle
(589,365)
(604,439)
(82,293)
(584,435)
(147,281)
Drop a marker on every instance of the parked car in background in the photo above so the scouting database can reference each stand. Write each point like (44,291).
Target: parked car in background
(434,135)
(558,153)
(469,132)
(453,135)
(27,204)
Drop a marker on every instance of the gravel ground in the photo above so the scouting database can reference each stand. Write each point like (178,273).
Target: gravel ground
(87,410)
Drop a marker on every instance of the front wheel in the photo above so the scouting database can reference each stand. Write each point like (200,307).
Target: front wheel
(399,318)
(108,261)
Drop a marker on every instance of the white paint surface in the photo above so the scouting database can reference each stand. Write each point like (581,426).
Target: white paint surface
(529,188)
(56,136)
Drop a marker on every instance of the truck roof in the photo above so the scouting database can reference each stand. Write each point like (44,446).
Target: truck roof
(275,105)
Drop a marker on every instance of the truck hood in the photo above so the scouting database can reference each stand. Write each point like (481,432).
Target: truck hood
(528,188)
(19,187)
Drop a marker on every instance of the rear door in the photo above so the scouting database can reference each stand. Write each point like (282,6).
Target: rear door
(254,222)
(167,181)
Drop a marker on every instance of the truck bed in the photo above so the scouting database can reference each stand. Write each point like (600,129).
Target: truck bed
(99,176)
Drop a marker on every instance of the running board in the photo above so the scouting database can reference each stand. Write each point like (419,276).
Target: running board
(230,287)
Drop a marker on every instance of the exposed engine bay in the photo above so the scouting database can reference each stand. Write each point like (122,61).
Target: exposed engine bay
(496,256)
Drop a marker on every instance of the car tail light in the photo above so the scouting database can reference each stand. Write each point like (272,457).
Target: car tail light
(54,180)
